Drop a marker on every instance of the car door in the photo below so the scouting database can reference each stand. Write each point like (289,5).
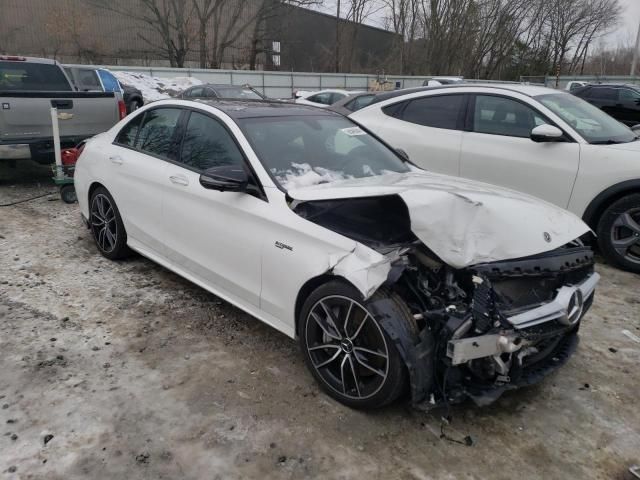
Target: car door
(428,129)
(137,167)
(629,106)
(498,149)
(212,235)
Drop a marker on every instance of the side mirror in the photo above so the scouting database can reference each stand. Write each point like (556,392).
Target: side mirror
(403,154)
(226,178)
(546,133)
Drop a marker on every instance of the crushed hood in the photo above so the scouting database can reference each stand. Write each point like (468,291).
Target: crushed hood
(462,221)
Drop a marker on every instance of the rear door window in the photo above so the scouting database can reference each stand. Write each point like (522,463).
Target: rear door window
(129,133)
(196,92)
(16,76)
(323,98)
(207,143)
(604,93)
(442,111)
(359,103)
(627,95)
(157,134)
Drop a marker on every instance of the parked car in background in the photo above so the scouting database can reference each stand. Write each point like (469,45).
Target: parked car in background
(436,81)
(29,87)
(132,97)
(622,102)
(226,92)
(358,101)
(391,278)
(544,142)
(574,85)
(324,98)
(90,79)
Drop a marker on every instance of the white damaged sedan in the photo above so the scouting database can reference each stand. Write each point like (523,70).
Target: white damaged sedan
(393,279)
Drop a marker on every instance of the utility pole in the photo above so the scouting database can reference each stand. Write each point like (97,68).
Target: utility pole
(636,54)
(337,52)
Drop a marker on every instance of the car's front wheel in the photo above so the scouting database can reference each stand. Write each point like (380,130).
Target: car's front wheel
(106,225)
(619,233)
(347,350)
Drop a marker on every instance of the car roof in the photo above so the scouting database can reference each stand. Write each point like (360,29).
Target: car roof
(238,109)
(529,90)
(610,85)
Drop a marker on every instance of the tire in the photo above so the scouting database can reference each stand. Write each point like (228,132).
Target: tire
(106,225)
(134,105)
(619,233)
(358,378)
(68,194)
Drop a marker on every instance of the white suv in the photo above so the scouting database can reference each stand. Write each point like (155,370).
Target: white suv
(544,142)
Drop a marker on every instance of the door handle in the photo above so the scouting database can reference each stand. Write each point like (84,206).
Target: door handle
(179,180)
(117,159)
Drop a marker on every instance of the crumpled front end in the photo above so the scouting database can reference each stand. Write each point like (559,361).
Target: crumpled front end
(491,327)
(496,281)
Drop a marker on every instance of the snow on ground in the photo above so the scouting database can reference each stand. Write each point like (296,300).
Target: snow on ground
(155,88)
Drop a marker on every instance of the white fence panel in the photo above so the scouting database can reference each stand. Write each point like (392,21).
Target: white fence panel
(273,84)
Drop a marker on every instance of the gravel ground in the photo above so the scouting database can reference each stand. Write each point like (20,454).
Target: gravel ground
(125,370)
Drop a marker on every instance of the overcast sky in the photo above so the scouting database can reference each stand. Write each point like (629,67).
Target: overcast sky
(630,21)
(625,33)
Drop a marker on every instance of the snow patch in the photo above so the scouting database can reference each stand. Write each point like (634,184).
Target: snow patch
(303,175)
(155,88)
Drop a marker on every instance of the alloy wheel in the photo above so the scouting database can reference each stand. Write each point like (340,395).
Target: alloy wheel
(347,347)
(103,223)
(625,235)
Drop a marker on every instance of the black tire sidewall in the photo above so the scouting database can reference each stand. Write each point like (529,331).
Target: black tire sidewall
(68,194)
(396,382)
(605,226)
(121,250)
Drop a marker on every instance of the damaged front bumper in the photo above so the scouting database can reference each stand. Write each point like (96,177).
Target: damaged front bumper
(566,309)
(520,324)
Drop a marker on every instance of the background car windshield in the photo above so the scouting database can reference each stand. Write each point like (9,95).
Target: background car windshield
(593,124)
(303,151)
(242,93)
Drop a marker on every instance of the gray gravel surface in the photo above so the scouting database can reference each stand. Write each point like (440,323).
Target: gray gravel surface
(124,370)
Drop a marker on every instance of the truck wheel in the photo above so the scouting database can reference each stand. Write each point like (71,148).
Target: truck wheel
(106,225)
(347,350)
(135,105)
(619,233)
(68,194)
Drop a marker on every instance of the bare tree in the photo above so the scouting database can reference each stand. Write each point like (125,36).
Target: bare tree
(170,25)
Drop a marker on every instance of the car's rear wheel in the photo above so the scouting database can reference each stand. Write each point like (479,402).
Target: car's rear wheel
(619,233)
(347,350)
(106,225)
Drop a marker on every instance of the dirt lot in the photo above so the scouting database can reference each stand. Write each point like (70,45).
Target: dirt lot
(135,373)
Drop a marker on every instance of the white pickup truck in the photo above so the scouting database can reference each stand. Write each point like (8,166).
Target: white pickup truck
(29,87)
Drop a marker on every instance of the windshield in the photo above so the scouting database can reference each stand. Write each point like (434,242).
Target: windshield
(593,124)
(308,150)
(240,93)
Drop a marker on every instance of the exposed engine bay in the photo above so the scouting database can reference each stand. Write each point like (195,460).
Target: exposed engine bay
(475,331)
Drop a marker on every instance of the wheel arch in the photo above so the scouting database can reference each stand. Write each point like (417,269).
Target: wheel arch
(306,290)
(92,188)
(605,198)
